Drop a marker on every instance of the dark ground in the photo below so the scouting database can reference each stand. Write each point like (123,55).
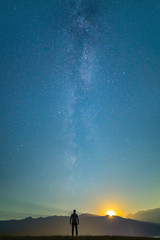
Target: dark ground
(71,238)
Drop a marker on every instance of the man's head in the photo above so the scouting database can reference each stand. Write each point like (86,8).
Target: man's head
(74,210)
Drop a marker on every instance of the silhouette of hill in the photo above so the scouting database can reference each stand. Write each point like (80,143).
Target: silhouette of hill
(151,215)
(89,225)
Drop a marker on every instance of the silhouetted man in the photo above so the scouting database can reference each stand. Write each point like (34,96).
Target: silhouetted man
(74,220)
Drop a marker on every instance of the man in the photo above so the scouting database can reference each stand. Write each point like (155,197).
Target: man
(74,220)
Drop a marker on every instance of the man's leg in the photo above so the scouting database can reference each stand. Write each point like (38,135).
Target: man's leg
(76,229)
(72,229)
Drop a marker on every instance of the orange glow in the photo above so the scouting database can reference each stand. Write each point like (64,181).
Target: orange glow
(110,213)
(119,210)
(119,206)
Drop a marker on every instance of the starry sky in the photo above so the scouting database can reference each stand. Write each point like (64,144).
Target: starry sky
(79,106)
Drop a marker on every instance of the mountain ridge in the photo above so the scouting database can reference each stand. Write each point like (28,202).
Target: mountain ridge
(89,225)
(150,215)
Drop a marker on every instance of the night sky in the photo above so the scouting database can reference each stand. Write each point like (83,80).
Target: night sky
(79,107)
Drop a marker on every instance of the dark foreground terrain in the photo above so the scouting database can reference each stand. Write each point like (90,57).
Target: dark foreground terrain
(76,238)
(90,225)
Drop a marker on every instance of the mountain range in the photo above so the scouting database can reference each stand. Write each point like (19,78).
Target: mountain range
(89,225)
(151,215)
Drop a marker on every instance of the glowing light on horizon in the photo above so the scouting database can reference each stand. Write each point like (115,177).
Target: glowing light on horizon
(111,213)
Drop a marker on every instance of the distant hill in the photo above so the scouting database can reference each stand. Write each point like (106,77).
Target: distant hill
(89,225)
(152,215)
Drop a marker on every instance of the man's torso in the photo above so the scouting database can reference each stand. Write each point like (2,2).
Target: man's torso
(74,218)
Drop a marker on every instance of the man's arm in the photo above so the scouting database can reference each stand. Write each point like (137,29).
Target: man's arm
(70,219)
(77,219)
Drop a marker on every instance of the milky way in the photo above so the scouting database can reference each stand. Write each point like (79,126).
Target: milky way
(79,114)
(80,31)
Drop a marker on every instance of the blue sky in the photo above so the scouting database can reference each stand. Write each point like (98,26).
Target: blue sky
(79,113)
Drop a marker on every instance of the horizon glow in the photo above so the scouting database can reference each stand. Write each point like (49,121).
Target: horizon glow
(111,213)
